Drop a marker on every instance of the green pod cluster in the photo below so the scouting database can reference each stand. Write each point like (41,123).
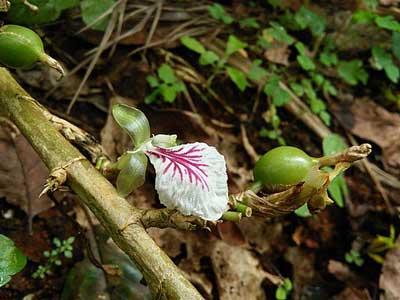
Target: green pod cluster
(283,167)
(21,47)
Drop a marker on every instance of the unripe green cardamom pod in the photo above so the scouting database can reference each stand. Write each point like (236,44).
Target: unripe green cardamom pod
(283,167)
(20,47)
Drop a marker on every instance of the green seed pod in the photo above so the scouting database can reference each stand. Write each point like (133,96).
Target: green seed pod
(21,47)
(283,167)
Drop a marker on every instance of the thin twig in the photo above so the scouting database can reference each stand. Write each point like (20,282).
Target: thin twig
(96,57)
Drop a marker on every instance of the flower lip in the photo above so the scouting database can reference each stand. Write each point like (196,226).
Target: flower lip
(190,178)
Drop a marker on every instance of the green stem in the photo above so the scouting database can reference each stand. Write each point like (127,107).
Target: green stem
(232,216)
(244,209)
(164,279)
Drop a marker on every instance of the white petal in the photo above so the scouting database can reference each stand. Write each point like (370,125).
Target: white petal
(192,179)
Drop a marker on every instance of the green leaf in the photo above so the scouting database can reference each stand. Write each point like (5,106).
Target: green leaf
(64,4)
(168,92)
(218,12)
(133,121)
(396,44)
(68,254)
(92,9)
(166,73)
(149,99)
(306,18)
(306,62)
(384,61)
(179,86)
(329,88)
(249,23)
(11,259)
(256,72)
(359,261)
(238,78)
(57,242)
(152,81)
(387,22)
(276,3)
(318,79)
(281,293)
(348,257)
(278,33)
(328,59)
(337,188)
(193,44)
(287,284)
(317,105)
(21,14)
(297,88)
(308,88)
(84,281)
(303,59)
(303,211)
(208,58)
(331,144)
(364,16)
(275,121)
(352,72)
(279,96)
(325,117)
(133,172)
(233,45)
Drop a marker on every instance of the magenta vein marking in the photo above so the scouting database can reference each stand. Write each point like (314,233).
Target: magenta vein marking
(184,161)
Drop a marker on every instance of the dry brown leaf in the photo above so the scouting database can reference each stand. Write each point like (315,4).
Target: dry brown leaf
(390,277)
(262,235)
(351,293)
(22,174)
(389,2)
(278,53)
(238,272)
(45,79)
(303,269)
(370,121)
(342,272)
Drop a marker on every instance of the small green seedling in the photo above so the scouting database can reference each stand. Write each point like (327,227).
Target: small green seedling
(218,12)
(11,260)
(284,290)
(166,84)
(272,118)
(54,256)
(380,244)
(207,57)
(354,257)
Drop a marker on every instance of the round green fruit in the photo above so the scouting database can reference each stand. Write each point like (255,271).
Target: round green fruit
(20,47)
(282,167)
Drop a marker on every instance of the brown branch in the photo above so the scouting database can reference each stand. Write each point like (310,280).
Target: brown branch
(165,217)
(164,279)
